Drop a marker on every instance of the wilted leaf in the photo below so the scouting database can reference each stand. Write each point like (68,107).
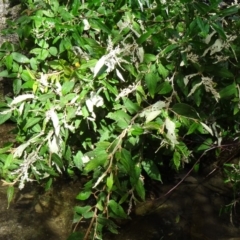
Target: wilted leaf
(170,126)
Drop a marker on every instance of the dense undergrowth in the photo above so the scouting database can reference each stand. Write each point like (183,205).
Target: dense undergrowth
(115,89)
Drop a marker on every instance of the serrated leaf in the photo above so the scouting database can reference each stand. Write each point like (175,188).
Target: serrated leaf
(177,159)
(152,170)
(126,160)
(206,145)
(100,158)
(165,88)
(130,106)
(185,110)
(162,70)
(151,80)
(117,209)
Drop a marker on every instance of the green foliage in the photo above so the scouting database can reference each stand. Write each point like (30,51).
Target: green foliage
(114,91)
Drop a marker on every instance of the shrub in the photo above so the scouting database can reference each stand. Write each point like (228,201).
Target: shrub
(113,90)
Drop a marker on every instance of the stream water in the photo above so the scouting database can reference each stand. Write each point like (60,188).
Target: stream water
(191,211)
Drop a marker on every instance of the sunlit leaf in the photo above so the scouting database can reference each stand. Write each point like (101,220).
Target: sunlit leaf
(84,195)
(110,182)
(20,58)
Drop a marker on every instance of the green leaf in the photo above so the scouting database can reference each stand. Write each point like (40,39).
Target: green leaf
(130,106)
(48,185)
(229,11)
(117,209)
(151,80)
(193,128)
(95,23)
(53,51)
(149,58)
(169,48)
(82,210)
(10,195)
(31,122)
(4,73)
(162,70)
(126,160)
(145,36)
(136,130)
(75,7)
(229,91)
(223,73)
(67,87)
(88,215)
(76,236)
(40,53)
(57,160)
(152,170)
(100,159)
(200,23)
(9,62)
(20,58)
(206,145)
(84,195)
(5,116)
(122,118)
(177,159)
(139,187)
(219,29)
(164,88)
(110,182)
(185,110)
